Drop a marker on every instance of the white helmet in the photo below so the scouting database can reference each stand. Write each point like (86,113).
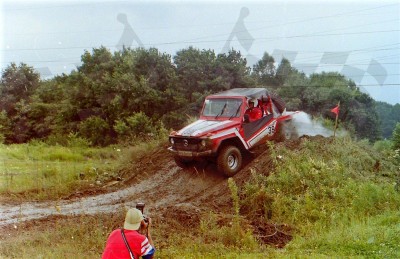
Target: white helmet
(253,101)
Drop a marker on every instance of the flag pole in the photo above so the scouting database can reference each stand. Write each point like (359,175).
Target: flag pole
(336,121)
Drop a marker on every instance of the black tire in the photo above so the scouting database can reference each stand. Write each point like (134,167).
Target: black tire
(229,160)
(279,103)
(182,162)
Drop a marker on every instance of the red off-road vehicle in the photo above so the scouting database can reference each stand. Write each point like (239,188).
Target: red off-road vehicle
(227,128)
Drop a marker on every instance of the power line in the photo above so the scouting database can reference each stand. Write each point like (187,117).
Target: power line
(295,22)
(335,54)
(210,41)
(48,6)
(379,85)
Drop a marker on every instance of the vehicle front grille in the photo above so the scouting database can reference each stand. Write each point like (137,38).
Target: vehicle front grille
(187,144)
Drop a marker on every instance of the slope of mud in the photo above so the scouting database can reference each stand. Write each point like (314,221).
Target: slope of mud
(155,180)
(172,193)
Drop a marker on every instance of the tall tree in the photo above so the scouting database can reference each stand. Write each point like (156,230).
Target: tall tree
(17,82)
(389,116)
(283,71)
(264,71)
(195,69)
(232,69)
(17,85)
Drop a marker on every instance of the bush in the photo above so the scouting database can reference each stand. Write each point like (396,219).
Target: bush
(320,182)
(139,124)
(383,145)
(96,130)
(174,120)
(5,127)
(74,140)
(396,137)
(138,127)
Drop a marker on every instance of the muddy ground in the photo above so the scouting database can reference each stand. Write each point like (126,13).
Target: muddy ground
(168,191)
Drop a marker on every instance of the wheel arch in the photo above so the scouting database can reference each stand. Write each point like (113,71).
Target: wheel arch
(234,141)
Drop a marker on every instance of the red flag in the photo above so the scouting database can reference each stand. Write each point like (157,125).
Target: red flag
(335,110)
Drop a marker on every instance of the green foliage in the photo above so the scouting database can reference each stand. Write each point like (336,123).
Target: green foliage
(17,82)
(38,171)
(383,146)
(284,71)
(112,87)
(5,127)
(201,71)
(328,190)
(137,126)
(174,120)
(264,71)
(389,116)
(257,202)
(96,130)
(16,86)
(319,93)
(338,194)
(229,236)
(375,237)
(71,140)
(72,235)
(235,198)
(140,124)
(396,137)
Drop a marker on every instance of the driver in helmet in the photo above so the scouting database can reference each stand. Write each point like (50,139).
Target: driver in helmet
(254,113)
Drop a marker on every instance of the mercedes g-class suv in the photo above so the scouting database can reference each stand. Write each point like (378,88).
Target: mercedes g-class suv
(231,123)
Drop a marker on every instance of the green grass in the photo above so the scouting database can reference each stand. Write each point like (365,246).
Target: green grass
(39,171)
(337,201)
(340,203)
(372,237)
(75,237)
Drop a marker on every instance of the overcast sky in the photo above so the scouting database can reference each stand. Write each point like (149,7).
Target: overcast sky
(360,39)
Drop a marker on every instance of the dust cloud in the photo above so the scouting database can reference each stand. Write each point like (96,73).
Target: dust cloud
(305,125)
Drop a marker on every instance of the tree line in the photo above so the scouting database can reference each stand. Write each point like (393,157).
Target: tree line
(136,93)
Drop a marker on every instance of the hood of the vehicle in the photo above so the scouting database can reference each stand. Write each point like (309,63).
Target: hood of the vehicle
(202,127)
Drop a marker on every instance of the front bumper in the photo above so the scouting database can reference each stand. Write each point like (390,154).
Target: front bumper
(183,153)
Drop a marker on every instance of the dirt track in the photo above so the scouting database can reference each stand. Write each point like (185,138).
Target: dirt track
(155,180)
(171,193)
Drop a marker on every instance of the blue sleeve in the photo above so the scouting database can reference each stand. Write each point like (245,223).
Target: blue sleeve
(150,254)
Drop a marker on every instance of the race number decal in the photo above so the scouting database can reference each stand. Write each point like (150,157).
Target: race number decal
(267,131)
(271,130)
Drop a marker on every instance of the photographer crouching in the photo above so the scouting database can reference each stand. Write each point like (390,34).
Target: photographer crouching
(129,242)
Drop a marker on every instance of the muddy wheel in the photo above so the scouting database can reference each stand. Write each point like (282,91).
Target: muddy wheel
(182,162)
(229,160)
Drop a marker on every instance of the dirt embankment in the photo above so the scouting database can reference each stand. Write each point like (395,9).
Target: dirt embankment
(170,192)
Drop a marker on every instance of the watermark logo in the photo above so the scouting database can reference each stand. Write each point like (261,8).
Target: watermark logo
(246,40)
(337,59)
(240,32)
(128,35)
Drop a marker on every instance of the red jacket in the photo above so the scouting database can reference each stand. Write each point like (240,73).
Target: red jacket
(116,248)
(254,113)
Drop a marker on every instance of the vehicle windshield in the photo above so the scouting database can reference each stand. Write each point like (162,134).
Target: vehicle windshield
(222,107)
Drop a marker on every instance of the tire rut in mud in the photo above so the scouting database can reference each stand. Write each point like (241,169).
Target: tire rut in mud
(172,193)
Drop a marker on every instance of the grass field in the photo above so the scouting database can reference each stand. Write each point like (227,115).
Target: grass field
(340,202)
(38,171)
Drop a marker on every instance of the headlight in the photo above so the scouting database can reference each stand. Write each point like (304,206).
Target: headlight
(171,140)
